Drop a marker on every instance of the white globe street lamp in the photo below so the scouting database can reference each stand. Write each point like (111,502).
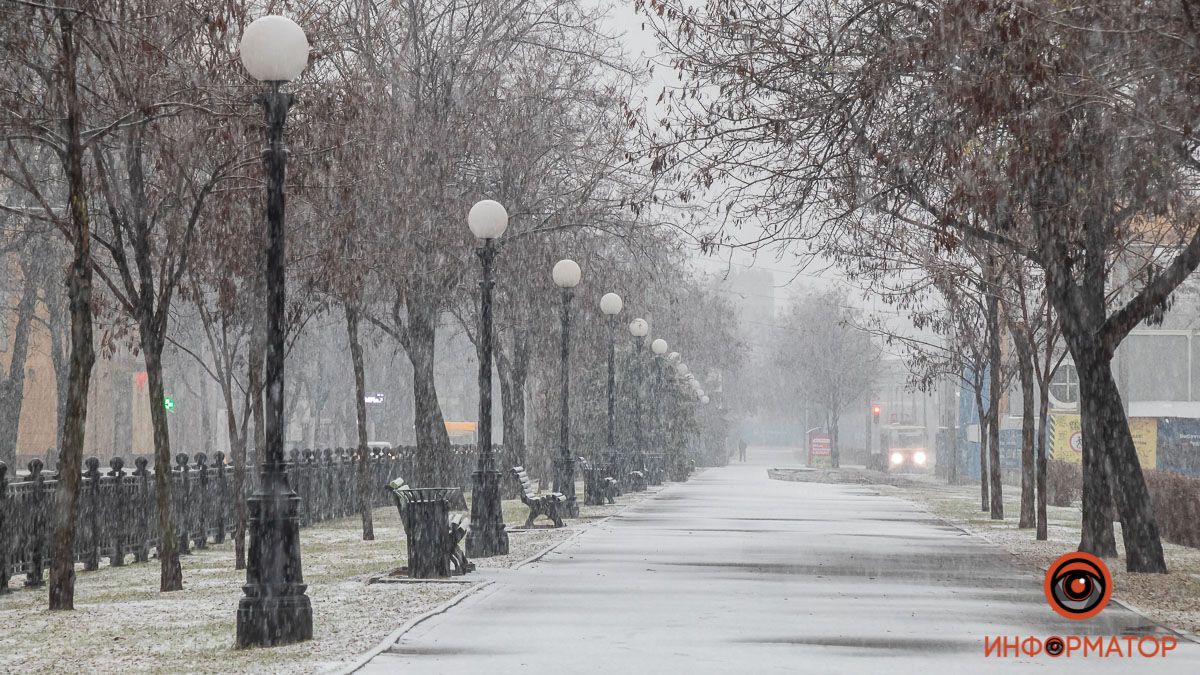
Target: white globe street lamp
(274,49)
(487,537)
(274,609)
(487,219)
(566,273)
(639,329)
(611,304)
(566,276)
(659,346)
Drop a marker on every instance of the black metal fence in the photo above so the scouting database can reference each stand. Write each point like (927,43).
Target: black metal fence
(118,511)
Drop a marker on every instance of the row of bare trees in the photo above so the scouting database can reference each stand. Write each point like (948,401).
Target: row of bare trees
(130,170)
(1025,142)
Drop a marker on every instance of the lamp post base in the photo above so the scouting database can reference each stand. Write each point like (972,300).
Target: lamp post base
(487,536)
(275,610)
(269,620)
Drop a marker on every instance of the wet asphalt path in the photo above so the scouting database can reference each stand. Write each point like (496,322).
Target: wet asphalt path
(735,573)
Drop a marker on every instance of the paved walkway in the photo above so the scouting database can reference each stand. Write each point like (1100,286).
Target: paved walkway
(735,573)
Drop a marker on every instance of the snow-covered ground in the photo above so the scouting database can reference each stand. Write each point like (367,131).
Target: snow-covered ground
(123,624)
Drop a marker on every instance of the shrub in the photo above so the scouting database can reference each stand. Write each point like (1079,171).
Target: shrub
(1176,500)
(1064,483)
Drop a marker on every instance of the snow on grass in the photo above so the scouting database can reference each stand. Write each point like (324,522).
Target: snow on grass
(123,624)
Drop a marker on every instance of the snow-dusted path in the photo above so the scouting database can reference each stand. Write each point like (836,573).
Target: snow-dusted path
(732,573)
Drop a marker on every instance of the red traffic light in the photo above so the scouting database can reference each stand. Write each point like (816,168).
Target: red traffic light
(875,410)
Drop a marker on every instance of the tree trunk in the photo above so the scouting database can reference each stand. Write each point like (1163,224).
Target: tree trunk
(237,452)
(982,414)
(835,455)
(1097,535)
(12,388)
(83,356)
(512,404)
(170,572)
(205,414)
(360,390)
(1109,449)
(1024,351)
(59,358)
(994,368)
(1043,415)
(433,443)
(254,383)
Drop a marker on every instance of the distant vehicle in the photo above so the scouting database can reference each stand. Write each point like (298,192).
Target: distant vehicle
(905,448)
(379,445)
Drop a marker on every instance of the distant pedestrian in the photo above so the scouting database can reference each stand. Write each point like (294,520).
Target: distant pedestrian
(742,450)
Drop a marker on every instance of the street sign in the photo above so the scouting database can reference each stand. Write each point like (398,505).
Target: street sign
(820,448)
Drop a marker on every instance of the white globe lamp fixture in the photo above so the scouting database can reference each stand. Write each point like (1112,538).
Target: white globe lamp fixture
(274,49)
(611,304)
(487,219)
(639,328)
(566,273)
(659,346)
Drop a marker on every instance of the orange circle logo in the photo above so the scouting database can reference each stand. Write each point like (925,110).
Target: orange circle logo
(1078,586)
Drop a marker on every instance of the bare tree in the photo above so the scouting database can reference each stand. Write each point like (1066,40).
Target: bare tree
(833,361)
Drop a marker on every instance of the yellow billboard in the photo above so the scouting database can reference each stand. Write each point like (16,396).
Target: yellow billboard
(1066,439)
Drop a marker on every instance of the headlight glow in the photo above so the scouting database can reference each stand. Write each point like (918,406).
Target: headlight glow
(897,458)
(919,457)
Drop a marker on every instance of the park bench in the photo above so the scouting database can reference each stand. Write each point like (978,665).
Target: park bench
(637,480)
(456,525)
(539,505)
(597,487)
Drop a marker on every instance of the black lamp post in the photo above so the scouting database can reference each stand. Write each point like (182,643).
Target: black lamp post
(566,276)
(611,305)
(655,468)
(274,609)
(487,536)
(638,328)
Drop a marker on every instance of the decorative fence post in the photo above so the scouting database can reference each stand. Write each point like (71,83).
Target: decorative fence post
(309,502)
(326,481)
(354,456)
(182,499)
(91,515)
(6,539)
(118,512)
(295,475)
(35,536)
(222,496)
(144,502)
(339,490)
(201,503)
